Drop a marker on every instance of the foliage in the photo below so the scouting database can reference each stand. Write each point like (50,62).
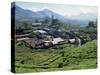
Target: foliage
(91,24)
(57,24)
(68,57)
(60,65)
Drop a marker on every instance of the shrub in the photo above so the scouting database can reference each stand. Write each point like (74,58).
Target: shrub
(60,65)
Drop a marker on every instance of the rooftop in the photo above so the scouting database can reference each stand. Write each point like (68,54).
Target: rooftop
(35,24)
(57,40)
(40,31)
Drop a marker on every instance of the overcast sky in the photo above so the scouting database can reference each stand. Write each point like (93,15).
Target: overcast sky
(65,10)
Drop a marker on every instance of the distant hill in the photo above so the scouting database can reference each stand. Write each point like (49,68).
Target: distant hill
(28,15)
(21,14)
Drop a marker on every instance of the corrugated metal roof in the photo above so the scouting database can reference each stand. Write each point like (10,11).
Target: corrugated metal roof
(57,40)
(40,31)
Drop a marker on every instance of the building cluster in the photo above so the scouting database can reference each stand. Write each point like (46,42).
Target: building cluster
(47,37)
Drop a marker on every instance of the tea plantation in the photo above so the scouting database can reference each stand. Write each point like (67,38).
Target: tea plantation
(61,57)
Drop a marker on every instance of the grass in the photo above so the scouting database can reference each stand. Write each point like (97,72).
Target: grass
(85,64)
(69,56)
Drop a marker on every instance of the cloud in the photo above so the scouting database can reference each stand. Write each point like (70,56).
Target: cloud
(86,10)
(74,11)
(65,10)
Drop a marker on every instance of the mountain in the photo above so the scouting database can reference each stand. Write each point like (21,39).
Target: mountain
(50,13)
(21,14)
(28,15)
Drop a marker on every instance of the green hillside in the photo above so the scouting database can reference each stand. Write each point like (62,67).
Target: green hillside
(62,57)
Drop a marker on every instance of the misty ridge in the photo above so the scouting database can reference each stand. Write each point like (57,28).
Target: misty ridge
(31,16)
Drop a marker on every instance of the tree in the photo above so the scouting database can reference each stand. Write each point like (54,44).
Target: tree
(22,62)
(92,27)
(58,24)
(19,30)
(96,23)
(46,22)
(25,25)
(60,65)
(91,24)
(47,19)
(32,34)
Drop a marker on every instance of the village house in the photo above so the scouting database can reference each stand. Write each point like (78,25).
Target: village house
(34,43)
(40,31)
(57,40)
(36,24)
(22,37)
(48,37)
